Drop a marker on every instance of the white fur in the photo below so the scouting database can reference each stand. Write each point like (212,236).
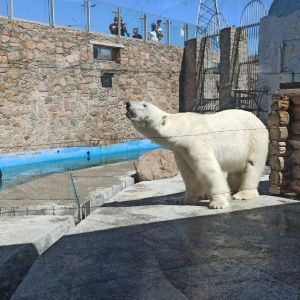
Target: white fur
(206,146)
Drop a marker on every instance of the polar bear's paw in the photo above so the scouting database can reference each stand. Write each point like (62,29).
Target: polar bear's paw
(217,204)
(246,195)
(218,201)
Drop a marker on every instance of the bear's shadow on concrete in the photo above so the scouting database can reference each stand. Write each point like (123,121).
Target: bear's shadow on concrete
(263,189)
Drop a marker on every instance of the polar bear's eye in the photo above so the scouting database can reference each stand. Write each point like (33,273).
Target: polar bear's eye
(144,105)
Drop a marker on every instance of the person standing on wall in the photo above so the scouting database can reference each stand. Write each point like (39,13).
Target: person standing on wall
(124,31)
(152,34)
(136,34)
(159,31)
(113,27)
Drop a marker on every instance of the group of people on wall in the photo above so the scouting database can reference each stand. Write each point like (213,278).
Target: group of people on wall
(155,34)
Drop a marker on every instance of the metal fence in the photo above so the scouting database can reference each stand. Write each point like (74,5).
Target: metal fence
(245,93)
(94,16)
(208,72)
(246,70)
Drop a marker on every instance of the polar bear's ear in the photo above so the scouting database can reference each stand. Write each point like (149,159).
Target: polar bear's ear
(163,120)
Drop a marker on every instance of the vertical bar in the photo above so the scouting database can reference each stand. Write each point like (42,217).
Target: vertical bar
(168,32)
(52,21)
(145,27)
(88,15)
(11,9)
(279,58)
(119,21)
(186,32)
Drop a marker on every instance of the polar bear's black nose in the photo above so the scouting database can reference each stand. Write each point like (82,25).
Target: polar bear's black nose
(127,105)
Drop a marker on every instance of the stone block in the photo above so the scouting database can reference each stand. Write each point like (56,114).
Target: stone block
(157,164)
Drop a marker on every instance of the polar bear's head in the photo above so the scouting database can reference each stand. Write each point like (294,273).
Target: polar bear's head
(141,111)
(145,117)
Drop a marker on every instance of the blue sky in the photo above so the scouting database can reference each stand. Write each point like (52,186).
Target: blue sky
(182,10)
(186,10)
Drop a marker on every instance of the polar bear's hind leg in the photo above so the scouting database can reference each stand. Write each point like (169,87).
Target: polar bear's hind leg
(234,182)
(249,181)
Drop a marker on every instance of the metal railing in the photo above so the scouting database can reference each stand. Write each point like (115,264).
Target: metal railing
(94,16)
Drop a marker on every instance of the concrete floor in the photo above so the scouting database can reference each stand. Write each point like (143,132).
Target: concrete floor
(141,245)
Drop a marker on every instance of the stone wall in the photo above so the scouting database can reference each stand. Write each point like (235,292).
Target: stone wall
(284,148)
(227,38)
(51,93)
(279,44)
(189,74)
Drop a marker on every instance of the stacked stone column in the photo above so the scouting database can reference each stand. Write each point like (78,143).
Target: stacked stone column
(284,148)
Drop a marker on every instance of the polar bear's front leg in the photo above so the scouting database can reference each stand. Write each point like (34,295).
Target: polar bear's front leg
(219,201)
(214,182)
(194,187)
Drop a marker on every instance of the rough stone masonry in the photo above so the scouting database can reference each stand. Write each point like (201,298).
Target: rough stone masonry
(51,92)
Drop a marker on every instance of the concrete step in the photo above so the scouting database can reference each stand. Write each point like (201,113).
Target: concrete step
(22,240)
(34,215)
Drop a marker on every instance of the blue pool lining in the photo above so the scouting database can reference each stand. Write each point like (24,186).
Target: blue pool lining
(33,157)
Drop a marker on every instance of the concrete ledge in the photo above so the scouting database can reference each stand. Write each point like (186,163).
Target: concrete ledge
(23,239)
(75,196)
(75,193)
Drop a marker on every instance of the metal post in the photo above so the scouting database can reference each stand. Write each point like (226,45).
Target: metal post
(186,32)
(11,9)
(143,19)
(145,27)
(168,31)
(119,21)
(88,16)
(52,20)
(279,57)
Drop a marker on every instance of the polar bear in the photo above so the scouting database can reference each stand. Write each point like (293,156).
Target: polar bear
(206,146)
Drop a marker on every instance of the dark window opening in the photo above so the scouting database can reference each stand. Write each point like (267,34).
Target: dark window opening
(106,80)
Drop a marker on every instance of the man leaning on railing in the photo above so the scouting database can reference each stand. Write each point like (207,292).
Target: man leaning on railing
(113,27)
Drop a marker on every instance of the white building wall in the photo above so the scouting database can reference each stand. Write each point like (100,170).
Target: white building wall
(279,48)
